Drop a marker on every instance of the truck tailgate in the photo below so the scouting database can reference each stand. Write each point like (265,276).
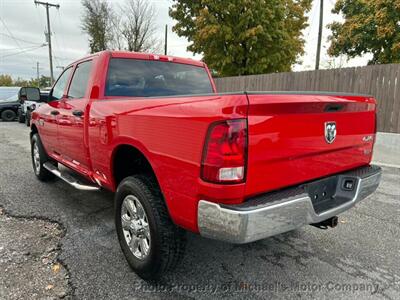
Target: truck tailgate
(290,137)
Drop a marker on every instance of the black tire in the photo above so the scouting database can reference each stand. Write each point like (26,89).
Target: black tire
(41,172)
(168,241)
(8,115)
(21,117)
(28,118)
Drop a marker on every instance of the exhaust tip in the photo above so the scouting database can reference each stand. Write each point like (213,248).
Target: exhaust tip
(331,222)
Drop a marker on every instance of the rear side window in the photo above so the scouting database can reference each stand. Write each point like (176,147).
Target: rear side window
(146,78)
(80,80)
(59,87)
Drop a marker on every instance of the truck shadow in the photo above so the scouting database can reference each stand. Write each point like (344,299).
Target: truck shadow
(208,267)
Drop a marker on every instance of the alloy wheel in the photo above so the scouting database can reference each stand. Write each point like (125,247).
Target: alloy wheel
(135,227)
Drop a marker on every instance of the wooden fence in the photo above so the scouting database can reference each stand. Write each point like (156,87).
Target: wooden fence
(380,81)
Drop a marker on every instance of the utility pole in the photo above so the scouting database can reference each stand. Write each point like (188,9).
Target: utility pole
(166,38)
(47,5)
(321,21)
(37,73)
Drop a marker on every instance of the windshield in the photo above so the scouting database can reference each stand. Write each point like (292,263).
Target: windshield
(147,78)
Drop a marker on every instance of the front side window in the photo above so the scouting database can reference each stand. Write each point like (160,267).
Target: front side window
(148,78)
(59,87)
(80,80)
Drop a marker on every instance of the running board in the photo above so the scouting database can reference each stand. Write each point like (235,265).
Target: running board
(70,179)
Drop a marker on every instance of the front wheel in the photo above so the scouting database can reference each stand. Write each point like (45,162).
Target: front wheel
(8,115)
(150,241)
(39,157)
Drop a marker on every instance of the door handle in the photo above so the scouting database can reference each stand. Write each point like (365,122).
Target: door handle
(77,113)
(55,112)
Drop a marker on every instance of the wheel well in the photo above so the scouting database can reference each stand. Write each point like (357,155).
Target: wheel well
(33,130)
(130,161)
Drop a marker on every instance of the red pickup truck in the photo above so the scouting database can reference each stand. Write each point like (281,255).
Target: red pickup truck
(236,167)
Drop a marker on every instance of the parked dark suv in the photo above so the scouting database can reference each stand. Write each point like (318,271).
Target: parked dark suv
(9,103)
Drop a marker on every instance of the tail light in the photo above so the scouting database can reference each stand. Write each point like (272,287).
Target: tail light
(225,152)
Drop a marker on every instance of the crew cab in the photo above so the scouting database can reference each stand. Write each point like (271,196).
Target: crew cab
(236,167)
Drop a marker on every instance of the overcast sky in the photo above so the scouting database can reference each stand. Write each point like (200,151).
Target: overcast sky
(22,26)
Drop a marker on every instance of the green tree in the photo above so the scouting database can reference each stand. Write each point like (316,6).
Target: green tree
(96,22)
(370,26)
(44,81)
(21,82)
(242,37)
(6,80)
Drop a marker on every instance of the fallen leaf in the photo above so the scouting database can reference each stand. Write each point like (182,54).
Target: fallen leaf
(343,221)
(49,287)
(56,268)
(45,260)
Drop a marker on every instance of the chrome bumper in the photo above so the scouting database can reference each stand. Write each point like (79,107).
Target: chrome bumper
(283,211)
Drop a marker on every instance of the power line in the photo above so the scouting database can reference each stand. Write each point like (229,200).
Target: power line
(58,47)
(314,12)
(12,36)
(23,51)
(60,23)
(9,32)
(56,38)
(25,48)
(21,40)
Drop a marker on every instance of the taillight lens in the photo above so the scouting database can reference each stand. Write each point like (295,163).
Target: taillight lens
(225,152)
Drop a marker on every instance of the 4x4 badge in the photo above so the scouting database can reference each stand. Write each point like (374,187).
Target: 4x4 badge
(330,132)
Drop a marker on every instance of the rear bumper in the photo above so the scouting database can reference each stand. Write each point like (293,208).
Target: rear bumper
(282,211)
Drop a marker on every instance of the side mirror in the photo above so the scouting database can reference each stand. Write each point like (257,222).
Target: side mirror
(29,94)
(44,97)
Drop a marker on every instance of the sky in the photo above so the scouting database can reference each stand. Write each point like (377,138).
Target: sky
(22,27)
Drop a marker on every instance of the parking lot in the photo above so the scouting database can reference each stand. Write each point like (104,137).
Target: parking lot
(360,258)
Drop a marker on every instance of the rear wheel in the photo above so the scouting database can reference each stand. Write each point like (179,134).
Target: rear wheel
(150,241)
(39,157)
(8,115)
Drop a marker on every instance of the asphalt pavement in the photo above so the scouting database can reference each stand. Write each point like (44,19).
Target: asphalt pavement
(358,259)
(29,250)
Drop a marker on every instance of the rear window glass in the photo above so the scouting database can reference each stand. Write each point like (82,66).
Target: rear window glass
(146,78)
